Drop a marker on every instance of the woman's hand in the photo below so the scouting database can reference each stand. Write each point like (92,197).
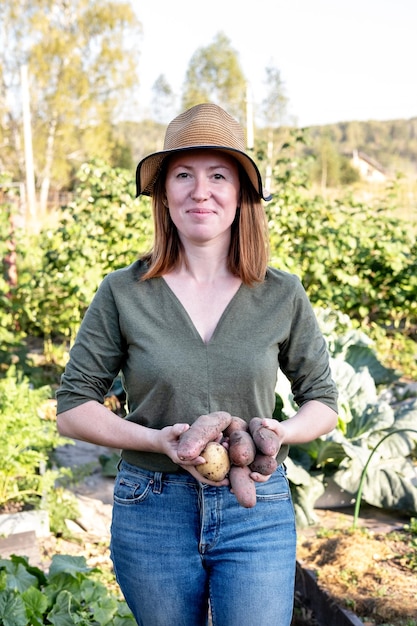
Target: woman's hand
(275,426)
(169,439)
(259,478)
(191,469)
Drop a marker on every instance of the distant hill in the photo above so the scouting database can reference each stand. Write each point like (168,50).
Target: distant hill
(393,143)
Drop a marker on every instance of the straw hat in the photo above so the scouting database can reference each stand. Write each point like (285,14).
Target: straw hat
(202,126)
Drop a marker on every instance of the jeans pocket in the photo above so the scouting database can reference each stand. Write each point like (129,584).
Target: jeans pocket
(131,488)
(276,488)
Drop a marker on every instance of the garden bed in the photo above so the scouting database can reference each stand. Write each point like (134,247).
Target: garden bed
(370,571)
(344,577)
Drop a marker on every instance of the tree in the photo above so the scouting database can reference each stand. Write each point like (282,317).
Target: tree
(82,59)
(215,75)
(274,105)
(163,100)
(328,163)
(273,113)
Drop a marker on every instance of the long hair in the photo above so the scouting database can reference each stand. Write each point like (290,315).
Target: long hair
(249,246)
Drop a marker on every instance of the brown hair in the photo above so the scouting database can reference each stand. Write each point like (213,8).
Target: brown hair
(249,247)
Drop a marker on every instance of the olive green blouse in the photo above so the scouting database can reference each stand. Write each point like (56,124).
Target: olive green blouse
(141,330)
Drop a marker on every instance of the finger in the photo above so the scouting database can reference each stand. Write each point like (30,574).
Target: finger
(259,478)
(180,428)
(192,470)
(271,424)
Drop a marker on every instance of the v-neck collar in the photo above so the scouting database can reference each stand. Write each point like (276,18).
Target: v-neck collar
(181,308)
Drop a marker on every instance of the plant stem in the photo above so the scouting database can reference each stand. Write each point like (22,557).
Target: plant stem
(363,474)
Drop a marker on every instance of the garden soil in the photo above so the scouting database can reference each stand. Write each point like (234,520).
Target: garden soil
(363,571)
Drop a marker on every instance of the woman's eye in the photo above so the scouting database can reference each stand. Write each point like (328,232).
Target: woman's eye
(182,175)
(218,176)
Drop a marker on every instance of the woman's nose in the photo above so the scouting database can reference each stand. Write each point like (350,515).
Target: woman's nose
(200,191)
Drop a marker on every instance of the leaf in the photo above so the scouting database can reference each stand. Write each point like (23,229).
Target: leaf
(36,605)
(406,415)
(374,418)
(62,613)
(305,490)
(356,389)
(19,579)
(399,443)
(12,609)
(35,571)
(363,356)
(296,474)
(124,615)
(105,610)
(388,484)
(330,452)
(124,620)
(65,564)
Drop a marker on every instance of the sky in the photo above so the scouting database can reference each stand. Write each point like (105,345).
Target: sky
(339,60)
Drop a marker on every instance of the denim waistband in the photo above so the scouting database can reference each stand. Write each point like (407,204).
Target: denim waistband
(180,474)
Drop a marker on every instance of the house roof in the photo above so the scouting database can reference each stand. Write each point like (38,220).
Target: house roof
(372,162)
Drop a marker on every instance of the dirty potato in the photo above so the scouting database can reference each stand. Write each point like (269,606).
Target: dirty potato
(217,463)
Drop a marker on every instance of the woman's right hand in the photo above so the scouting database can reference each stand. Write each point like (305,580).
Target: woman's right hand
(169,440)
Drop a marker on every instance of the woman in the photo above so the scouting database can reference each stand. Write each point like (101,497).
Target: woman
(198,325)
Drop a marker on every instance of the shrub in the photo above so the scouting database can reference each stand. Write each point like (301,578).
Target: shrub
(28,436)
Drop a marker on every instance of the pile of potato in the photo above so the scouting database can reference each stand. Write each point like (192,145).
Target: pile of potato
(251,448)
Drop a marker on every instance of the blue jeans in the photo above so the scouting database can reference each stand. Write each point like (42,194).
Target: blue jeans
(178,545)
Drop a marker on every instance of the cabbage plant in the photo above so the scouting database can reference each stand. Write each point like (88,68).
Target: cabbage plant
(372,404)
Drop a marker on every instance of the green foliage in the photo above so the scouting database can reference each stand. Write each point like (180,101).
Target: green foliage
(71,593)
(392,143)
(28,438)
(10,335)
(330,168)
(368,412)
(82,61)
(364,472)
(214,74)
(103,229)
(351,256)
(62,505)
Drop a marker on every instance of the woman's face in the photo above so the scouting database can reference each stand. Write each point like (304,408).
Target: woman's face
(202,189)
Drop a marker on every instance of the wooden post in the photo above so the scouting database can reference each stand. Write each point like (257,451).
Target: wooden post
(249,119)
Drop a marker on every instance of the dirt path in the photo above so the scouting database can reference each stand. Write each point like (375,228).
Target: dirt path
(94,492)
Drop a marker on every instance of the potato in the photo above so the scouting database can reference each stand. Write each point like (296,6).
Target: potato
(265,440)
(217,463)
(237,423)
(206,428)
(241,448)
(263,464)
(243,486)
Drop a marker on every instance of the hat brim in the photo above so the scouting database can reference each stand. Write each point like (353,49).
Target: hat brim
(149,167)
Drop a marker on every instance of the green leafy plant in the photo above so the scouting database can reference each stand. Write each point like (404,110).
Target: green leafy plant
(368,413)
(365,468)
(28,438)
(11,335)
(103,229)
(352,256)
(70,593)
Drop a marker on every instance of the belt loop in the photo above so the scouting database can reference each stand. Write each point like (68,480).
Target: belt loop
(157,482)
